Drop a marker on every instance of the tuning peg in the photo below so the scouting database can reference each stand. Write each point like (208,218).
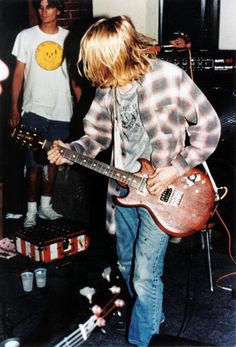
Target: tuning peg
(119,303)
(96,310)
(107,273)
(115,290)
(101,322)
(88,292)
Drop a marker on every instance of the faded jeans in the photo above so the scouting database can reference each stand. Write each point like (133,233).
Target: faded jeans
(141,248)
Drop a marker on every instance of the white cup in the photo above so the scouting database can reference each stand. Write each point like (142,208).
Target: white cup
(12,342)
(27,280)
(40,275)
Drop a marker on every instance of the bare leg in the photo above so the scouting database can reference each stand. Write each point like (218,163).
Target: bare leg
(49,180)
(33,180)
(45,209)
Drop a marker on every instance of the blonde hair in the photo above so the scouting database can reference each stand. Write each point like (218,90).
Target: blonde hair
(112,53)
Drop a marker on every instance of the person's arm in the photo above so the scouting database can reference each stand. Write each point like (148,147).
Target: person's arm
(54,155)
(98,132)
(97,126)
(4,73)
(203,132)
(77,90)
(204,127)
(17,83)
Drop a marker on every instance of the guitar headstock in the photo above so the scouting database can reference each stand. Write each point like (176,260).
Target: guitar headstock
(29,139)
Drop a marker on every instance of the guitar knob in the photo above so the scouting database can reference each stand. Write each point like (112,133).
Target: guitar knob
(101,322)
(119,303)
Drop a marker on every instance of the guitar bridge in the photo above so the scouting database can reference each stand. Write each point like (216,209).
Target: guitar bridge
(176,198)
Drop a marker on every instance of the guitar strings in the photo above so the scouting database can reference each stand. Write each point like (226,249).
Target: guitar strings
(71,338)
(111,301)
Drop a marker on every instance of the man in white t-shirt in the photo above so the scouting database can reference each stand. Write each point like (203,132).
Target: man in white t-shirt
(47,101)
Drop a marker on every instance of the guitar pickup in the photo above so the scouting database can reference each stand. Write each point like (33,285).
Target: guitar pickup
(165,196)
(172,197)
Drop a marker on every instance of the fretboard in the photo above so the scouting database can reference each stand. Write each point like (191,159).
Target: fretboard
(128,178)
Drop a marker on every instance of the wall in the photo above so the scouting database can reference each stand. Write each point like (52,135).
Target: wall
(227,29)
(75,10)
(144,13)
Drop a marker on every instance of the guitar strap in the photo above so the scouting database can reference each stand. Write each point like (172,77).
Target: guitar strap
(116,152)
(206,167)
(204,164)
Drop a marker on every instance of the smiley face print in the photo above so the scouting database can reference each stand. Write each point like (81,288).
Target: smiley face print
(49,55)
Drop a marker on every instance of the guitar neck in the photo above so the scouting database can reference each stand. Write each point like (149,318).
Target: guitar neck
(81,334)
(77,337)
(128,178)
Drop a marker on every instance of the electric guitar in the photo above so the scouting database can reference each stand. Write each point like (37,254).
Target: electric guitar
(181,209)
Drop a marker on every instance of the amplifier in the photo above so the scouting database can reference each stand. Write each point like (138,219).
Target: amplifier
(52,241)
(202,61)
(210,69)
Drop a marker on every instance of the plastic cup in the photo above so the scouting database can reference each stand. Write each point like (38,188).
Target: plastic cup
(27,281)
(40,275)
(13,342)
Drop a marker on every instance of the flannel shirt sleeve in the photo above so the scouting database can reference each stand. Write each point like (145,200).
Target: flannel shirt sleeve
(97,128)
(203,126)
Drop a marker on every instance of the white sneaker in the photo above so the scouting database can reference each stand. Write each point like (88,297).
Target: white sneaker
(176,240)
(48,213)
(30,219)
(13,216)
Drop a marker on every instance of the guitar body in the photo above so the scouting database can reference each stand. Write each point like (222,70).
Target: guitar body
(182,209)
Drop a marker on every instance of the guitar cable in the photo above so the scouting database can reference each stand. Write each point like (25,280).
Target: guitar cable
(219,279)
(186,318)
(219,198)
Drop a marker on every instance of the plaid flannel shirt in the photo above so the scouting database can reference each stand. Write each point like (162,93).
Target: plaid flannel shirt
(171,108)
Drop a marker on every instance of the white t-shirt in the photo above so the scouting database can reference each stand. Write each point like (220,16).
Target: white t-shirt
(46,85)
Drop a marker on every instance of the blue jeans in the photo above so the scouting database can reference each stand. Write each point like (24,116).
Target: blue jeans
(141,248)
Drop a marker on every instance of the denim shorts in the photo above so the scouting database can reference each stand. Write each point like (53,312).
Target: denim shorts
(48,129)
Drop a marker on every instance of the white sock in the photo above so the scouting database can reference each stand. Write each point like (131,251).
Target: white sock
(32,206)
(45,201)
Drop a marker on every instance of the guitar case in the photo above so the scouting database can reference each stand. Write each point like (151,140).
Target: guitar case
(51,241)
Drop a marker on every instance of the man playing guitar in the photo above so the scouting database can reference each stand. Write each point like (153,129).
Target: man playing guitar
(145,108)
